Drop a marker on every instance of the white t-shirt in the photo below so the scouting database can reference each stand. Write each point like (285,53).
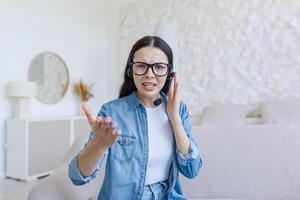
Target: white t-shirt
(160,138)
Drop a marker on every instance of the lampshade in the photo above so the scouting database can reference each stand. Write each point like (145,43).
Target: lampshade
(21,89)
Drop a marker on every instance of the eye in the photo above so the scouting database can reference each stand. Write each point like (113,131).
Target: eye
(160,66)
(140,65)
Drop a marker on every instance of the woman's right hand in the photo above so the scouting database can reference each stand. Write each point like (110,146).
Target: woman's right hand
(103,128)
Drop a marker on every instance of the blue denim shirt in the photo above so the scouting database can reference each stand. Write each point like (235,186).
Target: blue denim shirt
(126,160)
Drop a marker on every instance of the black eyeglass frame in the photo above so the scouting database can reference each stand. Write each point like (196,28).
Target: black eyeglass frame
(149,66)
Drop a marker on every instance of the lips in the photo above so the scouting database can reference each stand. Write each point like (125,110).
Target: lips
(149,86)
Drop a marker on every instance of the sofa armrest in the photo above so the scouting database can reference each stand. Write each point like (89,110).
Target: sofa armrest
(59,186)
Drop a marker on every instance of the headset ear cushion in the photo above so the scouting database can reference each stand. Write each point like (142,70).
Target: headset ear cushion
(129,73)
(171,74)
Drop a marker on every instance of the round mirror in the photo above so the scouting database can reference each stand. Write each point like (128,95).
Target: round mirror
(51,75)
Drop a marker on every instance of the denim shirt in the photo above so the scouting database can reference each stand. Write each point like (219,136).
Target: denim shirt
(126,160)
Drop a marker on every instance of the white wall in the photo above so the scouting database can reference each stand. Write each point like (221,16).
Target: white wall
(116,57)
(2,106)
(229,51)
(75,30)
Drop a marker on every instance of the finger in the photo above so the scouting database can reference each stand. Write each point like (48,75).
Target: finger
(110,130)
(115,138)
(177,92)
(106,125)
(97,123)
(176,82)
(176,88)
(113,125)
(107,120)
(88,114)
(175,77)
(116,135)
(171,90)
(119,132)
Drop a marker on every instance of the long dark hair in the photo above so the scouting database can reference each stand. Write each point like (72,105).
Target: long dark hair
(128,85)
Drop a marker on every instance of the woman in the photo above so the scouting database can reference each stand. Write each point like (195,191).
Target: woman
(144,136)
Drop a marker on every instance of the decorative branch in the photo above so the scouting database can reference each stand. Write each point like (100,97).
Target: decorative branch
(83,90)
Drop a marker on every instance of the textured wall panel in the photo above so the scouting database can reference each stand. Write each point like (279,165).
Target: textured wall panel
(229,51)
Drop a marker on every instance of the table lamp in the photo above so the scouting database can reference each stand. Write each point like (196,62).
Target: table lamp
(20,92)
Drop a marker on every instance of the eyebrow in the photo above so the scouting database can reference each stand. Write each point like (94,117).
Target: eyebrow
(150,63)
(145,61)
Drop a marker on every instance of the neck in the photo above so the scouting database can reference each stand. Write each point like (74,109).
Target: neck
(148,101)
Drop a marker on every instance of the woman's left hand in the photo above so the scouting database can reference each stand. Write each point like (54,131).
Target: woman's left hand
(174,100)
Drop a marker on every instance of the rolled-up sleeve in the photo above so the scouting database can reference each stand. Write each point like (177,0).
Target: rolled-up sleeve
(192,154)
(75,175)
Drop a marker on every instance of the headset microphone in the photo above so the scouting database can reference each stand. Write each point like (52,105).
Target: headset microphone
(157,102)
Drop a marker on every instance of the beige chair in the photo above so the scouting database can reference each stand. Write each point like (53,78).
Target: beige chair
(58,186)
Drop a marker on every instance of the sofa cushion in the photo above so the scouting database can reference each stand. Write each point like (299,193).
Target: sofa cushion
(285,111)
(219,114)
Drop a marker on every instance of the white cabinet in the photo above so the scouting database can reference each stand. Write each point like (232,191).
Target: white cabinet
(37,146)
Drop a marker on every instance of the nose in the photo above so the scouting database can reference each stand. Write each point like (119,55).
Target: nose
(149,73)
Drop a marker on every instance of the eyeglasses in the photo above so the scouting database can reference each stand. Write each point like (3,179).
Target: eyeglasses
(141,68)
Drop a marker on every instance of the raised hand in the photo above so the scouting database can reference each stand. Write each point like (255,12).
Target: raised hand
(103,128)
(174,99)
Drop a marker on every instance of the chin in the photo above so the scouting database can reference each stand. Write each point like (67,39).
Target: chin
(149,94)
